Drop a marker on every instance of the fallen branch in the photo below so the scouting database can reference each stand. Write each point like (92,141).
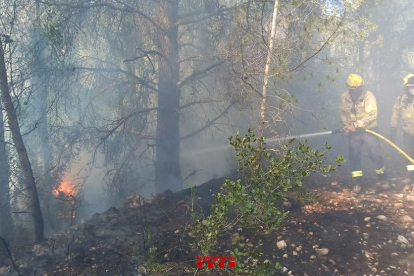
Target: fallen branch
(10,255)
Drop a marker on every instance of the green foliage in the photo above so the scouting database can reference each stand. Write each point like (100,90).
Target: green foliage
(54,33)
(251,204)
(53,28)
(148,257)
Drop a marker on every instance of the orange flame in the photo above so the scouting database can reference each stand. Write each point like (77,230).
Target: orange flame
(65,187)
(63,216)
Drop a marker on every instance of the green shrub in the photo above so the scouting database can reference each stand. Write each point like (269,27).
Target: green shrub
(251,203)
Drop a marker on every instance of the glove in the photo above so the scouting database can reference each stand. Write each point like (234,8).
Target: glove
(359,124)
(393,134)
(349,127)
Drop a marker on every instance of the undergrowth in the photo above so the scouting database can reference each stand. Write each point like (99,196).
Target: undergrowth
(250,203)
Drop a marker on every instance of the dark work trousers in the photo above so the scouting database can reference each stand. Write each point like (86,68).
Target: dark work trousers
(356,141)
(409,149)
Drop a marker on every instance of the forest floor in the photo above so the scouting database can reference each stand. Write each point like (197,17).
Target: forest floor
(366,234)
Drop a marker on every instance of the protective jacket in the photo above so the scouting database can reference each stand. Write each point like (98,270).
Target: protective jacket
(363,113)
(404,112)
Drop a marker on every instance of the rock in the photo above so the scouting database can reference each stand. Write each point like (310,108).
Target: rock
(284,270)
(410,198)
(334,183)
(367,219)
(332,262)
(295,253)
(406,219)
(399,205)
(142,270)
(322,251)
(285,256)
(312,257)
(287,204)
(40,250)
(382,217)
(3,270)
(299,248)
(281,244)
(402,239)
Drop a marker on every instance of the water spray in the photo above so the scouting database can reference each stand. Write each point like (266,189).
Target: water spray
(283,139)
(268,141)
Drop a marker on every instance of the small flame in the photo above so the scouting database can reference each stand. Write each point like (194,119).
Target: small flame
(63,216)
(66,188)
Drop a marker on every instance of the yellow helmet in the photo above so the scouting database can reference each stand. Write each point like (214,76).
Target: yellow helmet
(354,81)
(409,80)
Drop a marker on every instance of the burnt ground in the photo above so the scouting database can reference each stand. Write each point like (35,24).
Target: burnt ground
(361,233)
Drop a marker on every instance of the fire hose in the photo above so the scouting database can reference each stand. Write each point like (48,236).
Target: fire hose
(341,131)
(391,143)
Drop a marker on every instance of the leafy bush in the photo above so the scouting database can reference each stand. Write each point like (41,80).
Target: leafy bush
(251,203)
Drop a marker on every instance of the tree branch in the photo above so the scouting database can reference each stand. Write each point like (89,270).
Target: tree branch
(210,123)
(10,255)
(196,74)
(118,70)
(198,102)
(322,47)
(125,8)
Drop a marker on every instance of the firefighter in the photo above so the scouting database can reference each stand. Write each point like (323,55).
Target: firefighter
(359,110)
(404,112)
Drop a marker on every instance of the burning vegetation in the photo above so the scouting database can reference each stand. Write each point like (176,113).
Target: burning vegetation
(67,201)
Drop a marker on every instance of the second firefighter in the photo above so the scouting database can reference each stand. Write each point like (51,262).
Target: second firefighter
(358,109)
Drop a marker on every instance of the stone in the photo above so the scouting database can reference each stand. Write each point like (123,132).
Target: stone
(142,270)
(322,251)
(281,244)
(406,219)
(402,239)
(399,205)
(382,217)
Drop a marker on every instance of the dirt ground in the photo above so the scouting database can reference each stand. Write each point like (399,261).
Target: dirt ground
(343,234)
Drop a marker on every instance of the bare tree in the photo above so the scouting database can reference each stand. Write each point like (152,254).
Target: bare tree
(6,221)
(266,76)
(13,123)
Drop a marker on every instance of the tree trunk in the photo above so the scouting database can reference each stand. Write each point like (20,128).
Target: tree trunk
(43,132)
(167,166)
(31,189)
(266,77)
(6,221)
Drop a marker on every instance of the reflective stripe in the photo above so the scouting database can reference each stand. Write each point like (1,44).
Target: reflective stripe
(380,171)
(358,115)
(356,173)
(410,167)
(372,124)
(374,108)
(407,115)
